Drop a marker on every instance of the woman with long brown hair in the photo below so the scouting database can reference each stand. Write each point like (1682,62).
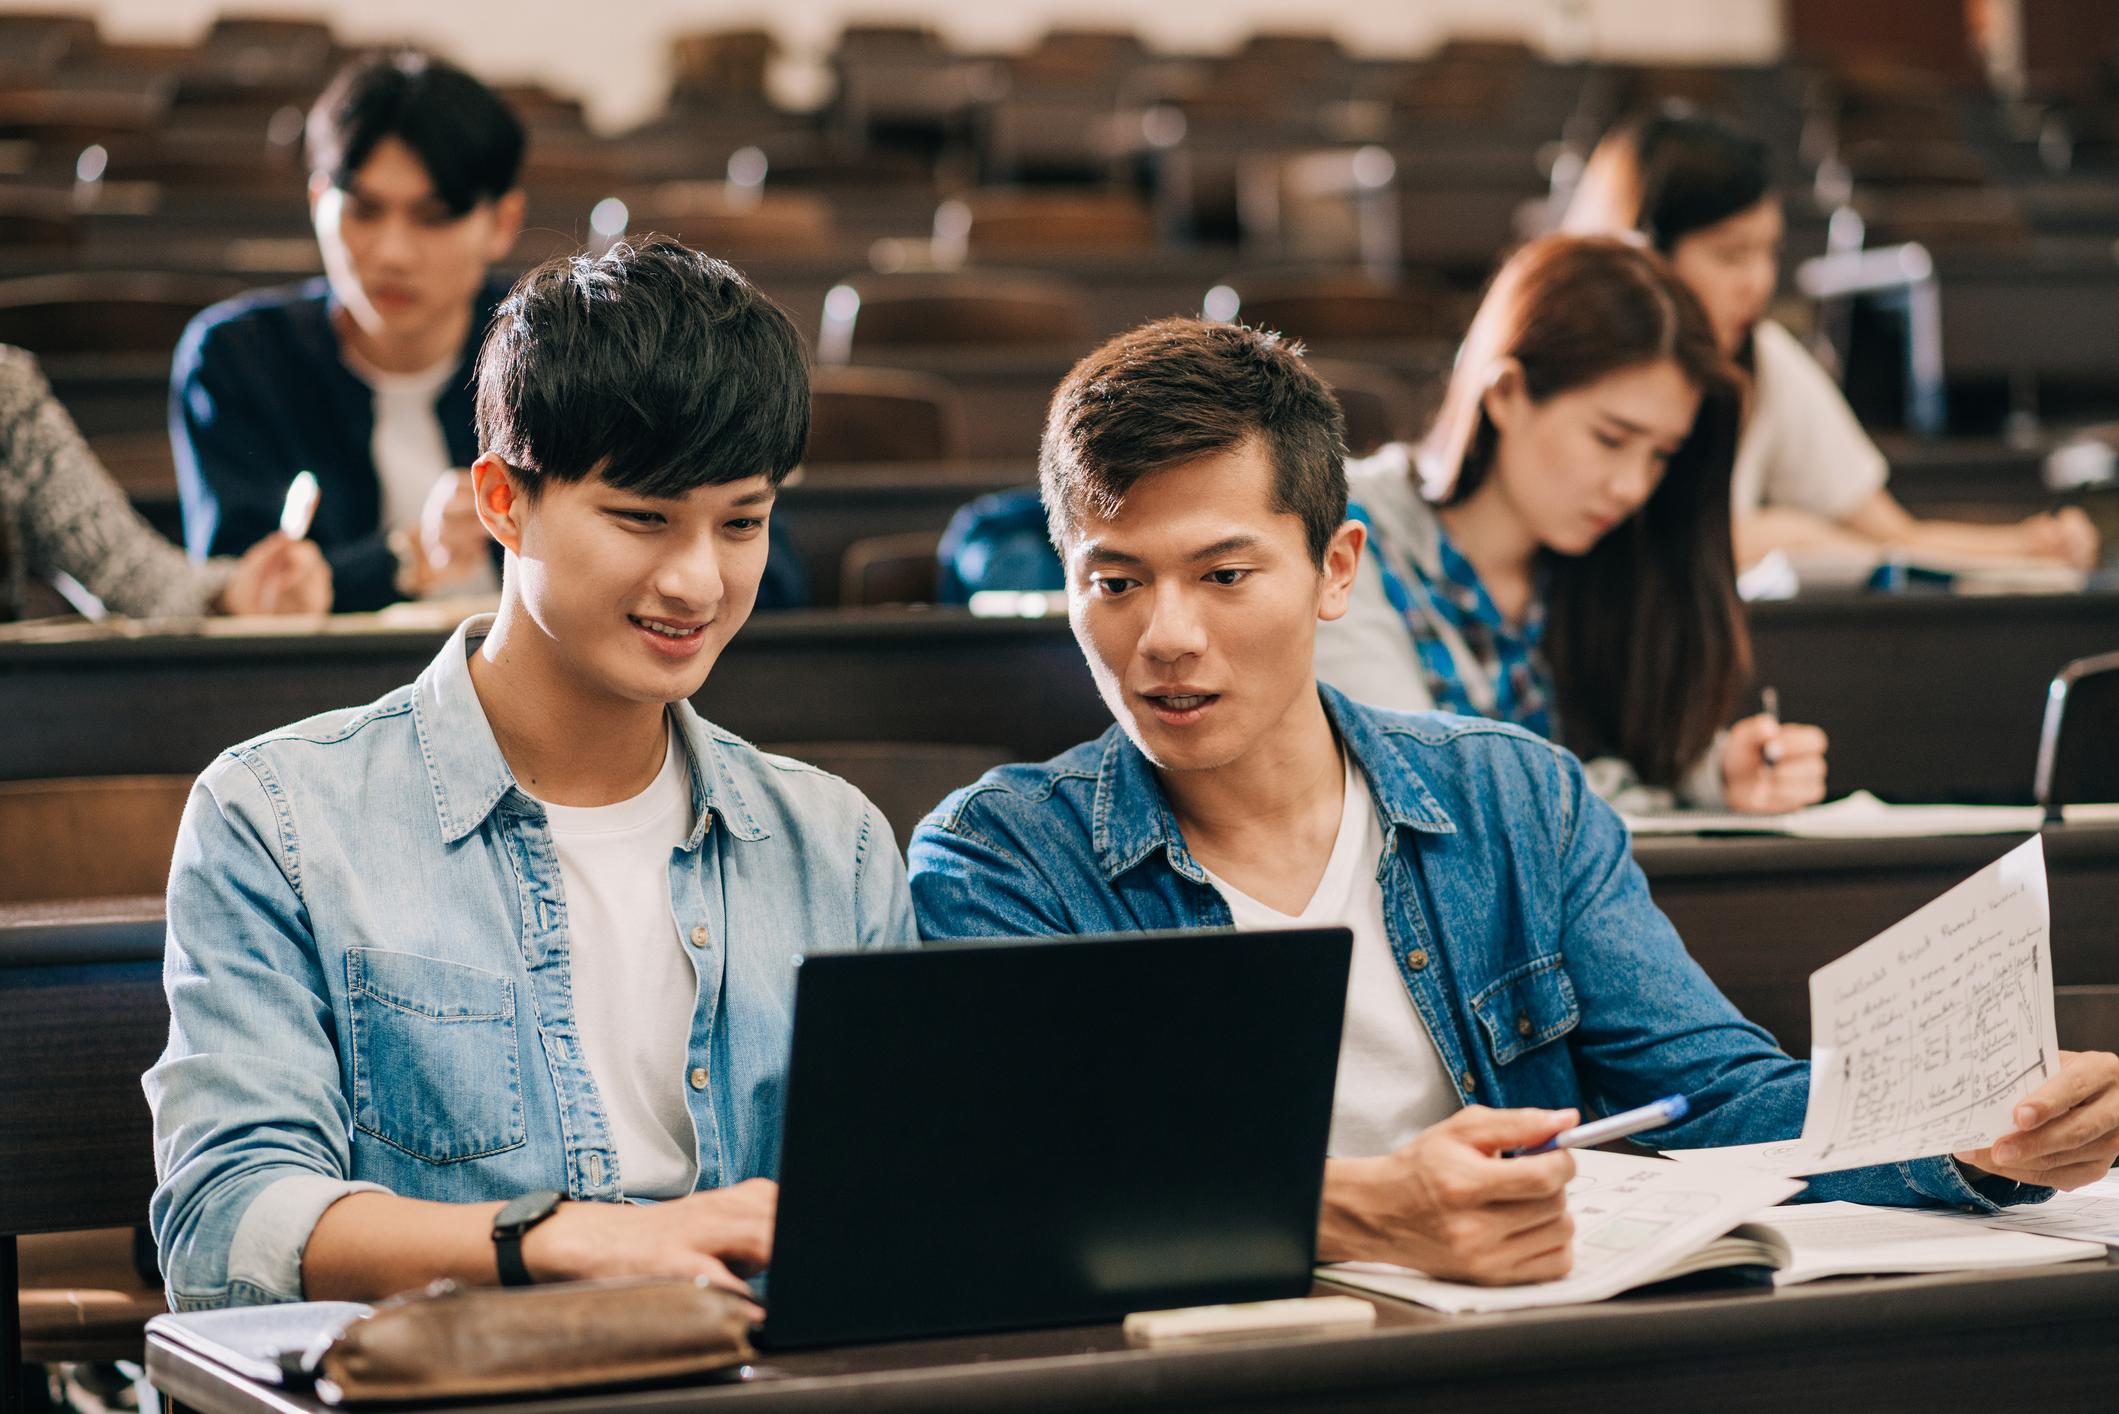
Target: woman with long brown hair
(1557,552)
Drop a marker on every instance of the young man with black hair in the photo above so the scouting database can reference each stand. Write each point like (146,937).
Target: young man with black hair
(522,932)
(1506,951)
(363,377)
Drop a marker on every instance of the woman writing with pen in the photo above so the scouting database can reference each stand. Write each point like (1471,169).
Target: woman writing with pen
(1557,552)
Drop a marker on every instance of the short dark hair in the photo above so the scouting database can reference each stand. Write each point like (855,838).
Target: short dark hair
(463,133)
(1177,390)
(652,366)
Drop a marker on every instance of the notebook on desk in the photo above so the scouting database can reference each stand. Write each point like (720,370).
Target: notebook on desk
(1643,1220)
(985,1136)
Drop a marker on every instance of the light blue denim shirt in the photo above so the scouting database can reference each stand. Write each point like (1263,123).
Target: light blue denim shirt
(1521,926)
(369,975)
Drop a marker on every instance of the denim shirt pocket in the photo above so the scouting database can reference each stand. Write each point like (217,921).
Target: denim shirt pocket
(1529,1006)
(437,1068)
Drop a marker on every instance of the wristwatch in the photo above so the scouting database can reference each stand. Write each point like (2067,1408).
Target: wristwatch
(509,1225)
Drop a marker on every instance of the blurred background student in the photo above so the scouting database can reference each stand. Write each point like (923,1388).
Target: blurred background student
(364,376)
(1807,477)
(1556,553)
(62,515)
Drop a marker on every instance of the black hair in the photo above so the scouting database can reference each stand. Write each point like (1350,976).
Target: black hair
(1177,390)
(1695,172)
(463,133)
(652,366)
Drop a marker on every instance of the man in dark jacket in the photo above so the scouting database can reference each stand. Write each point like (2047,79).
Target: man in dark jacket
(364,377)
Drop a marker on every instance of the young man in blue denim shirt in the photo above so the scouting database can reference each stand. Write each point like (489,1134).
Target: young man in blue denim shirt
(524,930)
(1507,953)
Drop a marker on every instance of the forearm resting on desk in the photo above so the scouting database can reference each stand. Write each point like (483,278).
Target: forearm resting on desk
(1881,522)
(370,1245)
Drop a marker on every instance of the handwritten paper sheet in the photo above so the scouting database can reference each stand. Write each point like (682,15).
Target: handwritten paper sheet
(1926,1036)
(1636,1220)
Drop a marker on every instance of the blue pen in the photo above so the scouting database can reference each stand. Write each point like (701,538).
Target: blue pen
(1618,1126)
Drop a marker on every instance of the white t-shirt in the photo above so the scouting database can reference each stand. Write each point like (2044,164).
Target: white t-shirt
(1392,1083)
(635,991)
(411,452)
(1801,446)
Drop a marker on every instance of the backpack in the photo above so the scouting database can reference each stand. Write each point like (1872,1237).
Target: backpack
(999,541)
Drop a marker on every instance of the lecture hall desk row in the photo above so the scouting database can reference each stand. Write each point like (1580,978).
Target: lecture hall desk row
(1926,698)
(82,1159)
(2031,1338)
(833,505)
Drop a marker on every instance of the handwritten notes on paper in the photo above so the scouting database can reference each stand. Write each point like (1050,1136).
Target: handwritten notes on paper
(1926,1036)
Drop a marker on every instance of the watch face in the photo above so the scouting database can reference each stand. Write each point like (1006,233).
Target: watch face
(530,1208)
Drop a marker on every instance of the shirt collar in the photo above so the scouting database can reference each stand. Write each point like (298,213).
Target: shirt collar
(470,776)
(1132,818)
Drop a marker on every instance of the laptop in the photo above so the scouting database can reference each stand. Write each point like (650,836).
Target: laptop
(984,1136)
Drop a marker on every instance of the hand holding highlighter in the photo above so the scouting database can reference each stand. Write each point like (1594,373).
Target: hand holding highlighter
(1618,1126)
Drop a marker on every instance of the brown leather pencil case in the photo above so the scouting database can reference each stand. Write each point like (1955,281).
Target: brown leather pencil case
(453,1341)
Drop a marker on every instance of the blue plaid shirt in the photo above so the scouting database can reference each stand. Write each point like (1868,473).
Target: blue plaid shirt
(1450,592)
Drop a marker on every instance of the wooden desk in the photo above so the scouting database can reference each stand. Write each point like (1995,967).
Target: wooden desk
(1926,699)
(2051,314)
(1966,478)
(2036,1338)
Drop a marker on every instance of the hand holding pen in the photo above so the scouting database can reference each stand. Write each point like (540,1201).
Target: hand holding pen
(284,573)
(1770,766)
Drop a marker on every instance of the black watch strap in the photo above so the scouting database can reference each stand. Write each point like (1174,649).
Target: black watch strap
(509,1226)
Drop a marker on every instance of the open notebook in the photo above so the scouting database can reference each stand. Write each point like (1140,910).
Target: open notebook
(1642,1220)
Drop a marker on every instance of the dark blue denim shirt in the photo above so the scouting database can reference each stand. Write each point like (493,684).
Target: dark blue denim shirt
(1522,928)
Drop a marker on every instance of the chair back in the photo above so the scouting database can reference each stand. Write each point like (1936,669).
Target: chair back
(1379,405)
(88,837)
(959,309)
(114,313)
(1330,305)
(2078,747)
(890,569)
(1003,223)
(82,1016)
(870,415)
(732,221)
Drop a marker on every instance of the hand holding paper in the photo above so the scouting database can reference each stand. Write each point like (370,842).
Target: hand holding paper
(1928,1037)
(2067,1130)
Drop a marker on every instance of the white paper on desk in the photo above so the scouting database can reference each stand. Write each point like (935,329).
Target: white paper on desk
(1851,1239)
(1861,816)
(1926,1036)
(1635,1219)
(2091,1214)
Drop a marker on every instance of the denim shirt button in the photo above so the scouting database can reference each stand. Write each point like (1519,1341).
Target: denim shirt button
(1523,1026)
(1416,959)
(700,937)
(699,1077)
(1470,1081)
